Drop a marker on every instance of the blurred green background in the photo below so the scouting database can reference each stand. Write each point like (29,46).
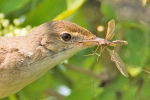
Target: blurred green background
(84,77)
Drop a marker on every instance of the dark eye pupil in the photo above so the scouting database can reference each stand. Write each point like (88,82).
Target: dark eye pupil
(66,37)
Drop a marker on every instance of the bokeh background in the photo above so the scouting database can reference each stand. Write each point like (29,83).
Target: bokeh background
(84,77)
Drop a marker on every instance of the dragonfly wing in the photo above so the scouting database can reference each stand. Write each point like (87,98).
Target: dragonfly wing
(119,63)
(110,29)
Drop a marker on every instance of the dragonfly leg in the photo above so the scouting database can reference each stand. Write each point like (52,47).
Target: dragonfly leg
(94,52)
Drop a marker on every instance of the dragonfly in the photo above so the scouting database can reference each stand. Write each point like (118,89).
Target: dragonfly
(107,42)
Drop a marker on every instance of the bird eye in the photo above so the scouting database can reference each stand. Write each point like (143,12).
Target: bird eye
(66,36)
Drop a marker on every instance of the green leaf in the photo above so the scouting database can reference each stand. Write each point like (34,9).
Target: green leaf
(85,92)
(60,76)
(80,19)
(45,11)
(35,89)
(108,11)
(7,6)
(144,92)
(129,95)
(107,95)
(72,6)
(138,45)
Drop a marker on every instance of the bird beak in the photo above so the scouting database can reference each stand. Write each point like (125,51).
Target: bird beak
(93,42)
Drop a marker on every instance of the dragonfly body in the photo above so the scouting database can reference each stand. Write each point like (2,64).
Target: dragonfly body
(108,43)
(114,56)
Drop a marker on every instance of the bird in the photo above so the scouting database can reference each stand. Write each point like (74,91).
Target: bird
(24,59)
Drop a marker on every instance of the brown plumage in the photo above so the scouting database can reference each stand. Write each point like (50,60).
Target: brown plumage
(26,58)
